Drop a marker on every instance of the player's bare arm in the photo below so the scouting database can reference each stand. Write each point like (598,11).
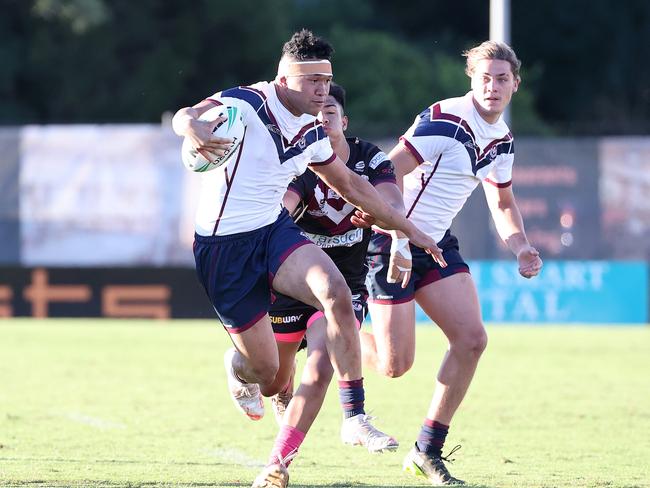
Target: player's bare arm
(290,201)
(404,162)
(186,123)
(510,226)
(357,191)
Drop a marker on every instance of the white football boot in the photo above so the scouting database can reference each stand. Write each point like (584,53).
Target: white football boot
(247,396)
(358,431)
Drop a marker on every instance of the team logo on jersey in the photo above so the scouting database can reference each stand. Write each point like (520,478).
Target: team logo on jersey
(332,195)
(493,152)
(302,143)
(472,146)
(359,166)
(325,209)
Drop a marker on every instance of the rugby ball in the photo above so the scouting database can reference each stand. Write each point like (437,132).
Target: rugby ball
(232,127)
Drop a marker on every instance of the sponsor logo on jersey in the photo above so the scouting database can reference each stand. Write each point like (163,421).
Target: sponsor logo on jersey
(377,159)
(359,166)
(274,128)
(287,319)
(384,297)
(357,306)
(348,239)
(356,296)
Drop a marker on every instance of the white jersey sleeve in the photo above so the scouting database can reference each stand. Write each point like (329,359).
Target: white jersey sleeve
(423,142)
(322,153)
(500,174)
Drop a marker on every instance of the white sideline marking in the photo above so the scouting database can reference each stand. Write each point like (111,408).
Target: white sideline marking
(94,421)
(235,456)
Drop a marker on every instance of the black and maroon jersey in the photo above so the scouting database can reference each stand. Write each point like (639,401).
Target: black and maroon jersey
(326,216)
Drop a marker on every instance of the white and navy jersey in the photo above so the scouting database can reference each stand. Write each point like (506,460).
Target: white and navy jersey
(326,216)
(246,193)
(456,150)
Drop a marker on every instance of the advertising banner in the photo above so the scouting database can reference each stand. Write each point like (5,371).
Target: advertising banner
(598,292)
(147,293)
(103,195)
(9,197)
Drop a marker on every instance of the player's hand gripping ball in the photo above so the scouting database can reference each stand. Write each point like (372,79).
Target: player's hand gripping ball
(232,127)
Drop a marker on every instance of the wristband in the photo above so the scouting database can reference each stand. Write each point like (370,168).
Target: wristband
(401,245)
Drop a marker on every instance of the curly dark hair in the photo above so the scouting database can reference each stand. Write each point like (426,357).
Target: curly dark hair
(304,45)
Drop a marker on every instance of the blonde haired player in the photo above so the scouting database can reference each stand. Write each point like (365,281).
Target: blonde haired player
(452,146)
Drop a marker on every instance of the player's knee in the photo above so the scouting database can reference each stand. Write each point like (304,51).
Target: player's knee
(337,295)
(396,367)
(320,370)
(473,341)
(265,371)
(323,376)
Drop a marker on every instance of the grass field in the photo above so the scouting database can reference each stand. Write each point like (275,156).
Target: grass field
(144,404)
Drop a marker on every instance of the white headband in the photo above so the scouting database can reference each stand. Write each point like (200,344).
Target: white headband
(288,67)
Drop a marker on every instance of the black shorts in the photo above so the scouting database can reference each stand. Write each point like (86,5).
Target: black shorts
(291,318)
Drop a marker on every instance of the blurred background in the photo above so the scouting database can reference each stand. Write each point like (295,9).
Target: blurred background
(96,209)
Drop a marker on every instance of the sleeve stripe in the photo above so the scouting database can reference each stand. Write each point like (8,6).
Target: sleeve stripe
(498,185)
(216,102)
(412,150)
(294,190)
(324,163)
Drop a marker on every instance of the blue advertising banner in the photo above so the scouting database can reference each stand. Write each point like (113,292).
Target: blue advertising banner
(599,292)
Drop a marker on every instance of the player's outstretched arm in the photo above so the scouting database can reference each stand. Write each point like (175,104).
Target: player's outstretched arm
(357,191)
(510,226)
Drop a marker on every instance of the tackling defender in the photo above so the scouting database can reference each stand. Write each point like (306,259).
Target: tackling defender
(246,244)
(452,146)
(325,218)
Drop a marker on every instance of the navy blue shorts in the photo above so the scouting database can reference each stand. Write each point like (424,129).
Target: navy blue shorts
(425,269)
(291,318)
(237,270)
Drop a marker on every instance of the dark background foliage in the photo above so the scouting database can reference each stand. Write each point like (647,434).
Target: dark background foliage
(585,70)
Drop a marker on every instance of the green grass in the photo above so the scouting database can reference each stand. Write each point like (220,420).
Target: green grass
(144,404)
